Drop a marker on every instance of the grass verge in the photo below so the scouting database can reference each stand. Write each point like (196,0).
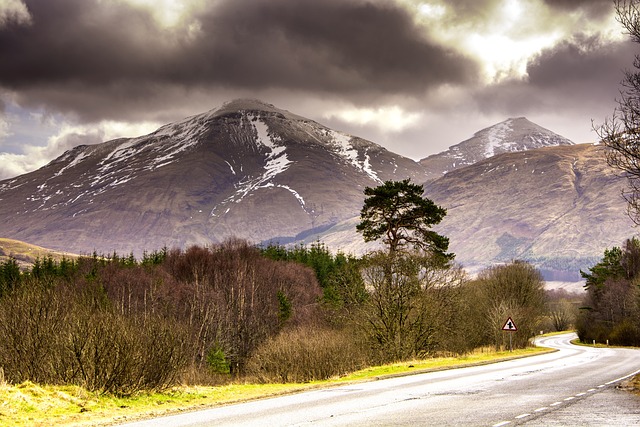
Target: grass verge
(29,404)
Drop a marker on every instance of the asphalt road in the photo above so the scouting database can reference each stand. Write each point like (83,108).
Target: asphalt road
(573,386)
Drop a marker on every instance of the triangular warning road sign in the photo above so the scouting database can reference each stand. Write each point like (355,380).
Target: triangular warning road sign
(509,325)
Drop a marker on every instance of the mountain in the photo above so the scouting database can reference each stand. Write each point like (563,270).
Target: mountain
(251,170)
(246,169)
(511,135)
(557,207)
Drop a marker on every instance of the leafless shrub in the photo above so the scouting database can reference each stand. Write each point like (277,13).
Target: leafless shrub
(307,353)
(513,290)
(32,319)
(122,355)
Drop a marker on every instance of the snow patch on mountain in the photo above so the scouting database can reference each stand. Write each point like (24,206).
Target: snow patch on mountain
(497,138)
(345,149)
(277,159)
(276,162)
(78,158)
(233,171)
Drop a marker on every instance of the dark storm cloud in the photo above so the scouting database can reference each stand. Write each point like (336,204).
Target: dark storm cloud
(367,45)
(584,60)
(101,59)
(575,74)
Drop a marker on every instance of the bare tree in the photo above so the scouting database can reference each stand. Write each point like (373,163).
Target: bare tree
(621,132)
(514,290)
(410,302)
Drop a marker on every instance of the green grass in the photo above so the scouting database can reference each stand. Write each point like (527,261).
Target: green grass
(479,357)
(29,404)
(598,344)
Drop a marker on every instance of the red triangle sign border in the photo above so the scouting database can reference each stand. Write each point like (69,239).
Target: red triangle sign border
(509,326)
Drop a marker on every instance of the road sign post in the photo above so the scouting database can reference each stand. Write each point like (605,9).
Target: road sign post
(509,326)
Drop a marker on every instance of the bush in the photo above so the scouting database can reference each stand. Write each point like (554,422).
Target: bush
(624,333)
(33,319)
(307,354)
(50,336)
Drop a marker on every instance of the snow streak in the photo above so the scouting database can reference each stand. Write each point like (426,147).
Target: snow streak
(276,162)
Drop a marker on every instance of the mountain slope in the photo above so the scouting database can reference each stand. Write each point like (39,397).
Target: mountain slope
(511,135)
(246,169)
(558,207)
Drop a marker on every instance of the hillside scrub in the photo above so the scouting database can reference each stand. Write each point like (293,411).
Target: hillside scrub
(339,276)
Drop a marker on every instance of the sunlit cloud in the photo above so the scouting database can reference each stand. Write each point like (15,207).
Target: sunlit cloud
(387,119)
(171,13)
(69,136)
(509,34)
(14,10)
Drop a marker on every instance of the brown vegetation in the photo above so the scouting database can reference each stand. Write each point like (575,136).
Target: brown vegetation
(209,314)
(117,326)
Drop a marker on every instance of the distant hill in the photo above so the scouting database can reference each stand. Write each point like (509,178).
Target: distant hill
(511,135)
(26,254)
(557,207)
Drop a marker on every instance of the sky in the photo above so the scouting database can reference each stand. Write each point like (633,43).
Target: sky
(416,76)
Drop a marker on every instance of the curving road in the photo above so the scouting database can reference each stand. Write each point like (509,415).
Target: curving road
(573,386)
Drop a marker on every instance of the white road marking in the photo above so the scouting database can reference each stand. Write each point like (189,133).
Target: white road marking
(623,378)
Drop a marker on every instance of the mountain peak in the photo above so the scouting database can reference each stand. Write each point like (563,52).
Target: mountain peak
(248,104)
(246,169)
(254,105)
(511,135)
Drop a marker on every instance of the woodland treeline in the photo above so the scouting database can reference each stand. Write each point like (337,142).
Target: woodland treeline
(611,310)
(116,324)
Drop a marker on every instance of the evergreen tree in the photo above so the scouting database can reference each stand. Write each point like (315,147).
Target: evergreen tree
(397,212)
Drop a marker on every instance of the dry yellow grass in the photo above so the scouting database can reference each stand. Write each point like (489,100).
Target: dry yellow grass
(26,253)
